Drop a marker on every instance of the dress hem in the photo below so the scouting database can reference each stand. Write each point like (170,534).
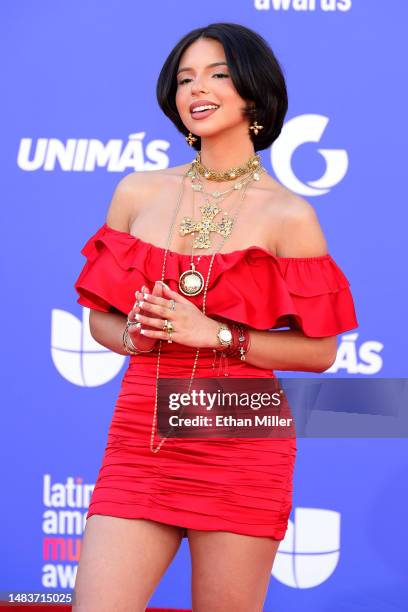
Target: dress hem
(189,523)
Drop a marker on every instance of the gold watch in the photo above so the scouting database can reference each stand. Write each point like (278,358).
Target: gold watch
(224,336)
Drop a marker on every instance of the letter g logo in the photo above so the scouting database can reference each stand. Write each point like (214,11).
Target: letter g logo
(298,131)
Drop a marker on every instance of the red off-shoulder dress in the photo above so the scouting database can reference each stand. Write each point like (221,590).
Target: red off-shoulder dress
(241,485)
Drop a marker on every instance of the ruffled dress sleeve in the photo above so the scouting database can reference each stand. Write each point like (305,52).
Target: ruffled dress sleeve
(319,296)
(268,292)
(104,282)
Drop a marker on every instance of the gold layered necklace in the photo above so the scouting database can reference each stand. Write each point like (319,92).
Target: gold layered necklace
(205,287)
(154,420)
(191,281)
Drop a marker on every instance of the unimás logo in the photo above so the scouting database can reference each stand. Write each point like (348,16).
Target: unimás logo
(353,359)
(310,551)
(76,355)
(295,133)
(87,154)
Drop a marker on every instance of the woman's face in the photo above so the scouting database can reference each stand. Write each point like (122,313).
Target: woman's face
(200,81)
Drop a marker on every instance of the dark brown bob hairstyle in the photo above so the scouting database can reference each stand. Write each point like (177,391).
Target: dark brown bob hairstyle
(254,70)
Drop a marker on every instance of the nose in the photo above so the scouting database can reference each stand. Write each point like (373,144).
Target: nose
(197,86)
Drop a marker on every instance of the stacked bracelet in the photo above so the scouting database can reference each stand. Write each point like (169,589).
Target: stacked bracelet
(244,340)
(127,340)
(240,342)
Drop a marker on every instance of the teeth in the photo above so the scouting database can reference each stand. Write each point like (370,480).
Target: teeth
(205,107)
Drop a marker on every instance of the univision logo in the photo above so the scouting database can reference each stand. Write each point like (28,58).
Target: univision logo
(310,551)
(76,355)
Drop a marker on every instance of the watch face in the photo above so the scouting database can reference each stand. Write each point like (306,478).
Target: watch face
(225,335)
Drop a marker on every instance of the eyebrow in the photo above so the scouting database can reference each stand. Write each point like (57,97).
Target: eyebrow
(209,66)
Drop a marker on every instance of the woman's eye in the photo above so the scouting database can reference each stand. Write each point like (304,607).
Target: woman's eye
(218,74)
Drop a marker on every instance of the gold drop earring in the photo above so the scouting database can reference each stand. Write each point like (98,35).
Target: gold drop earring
(190,139)
(255,126)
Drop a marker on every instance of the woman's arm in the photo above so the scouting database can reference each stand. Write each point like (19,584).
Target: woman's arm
(107,329)
(291,350)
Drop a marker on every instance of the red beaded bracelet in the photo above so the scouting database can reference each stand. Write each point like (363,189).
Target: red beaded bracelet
(240,341)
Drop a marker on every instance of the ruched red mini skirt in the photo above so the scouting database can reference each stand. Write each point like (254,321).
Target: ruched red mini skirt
(232,484)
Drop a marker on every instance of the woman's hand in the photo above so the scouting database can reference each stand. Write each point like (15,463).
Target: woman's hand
(191,326)
(142,342)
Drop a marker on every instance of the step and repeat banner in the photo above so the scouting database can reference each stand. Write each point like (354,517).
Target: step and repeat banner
(79,112)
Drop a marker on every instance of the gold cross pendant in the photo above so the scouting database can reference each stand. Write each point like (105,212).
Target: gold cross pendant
(206,225)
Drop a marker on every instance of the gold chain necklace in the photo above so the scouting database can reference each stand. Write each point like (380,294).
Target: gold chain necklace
(211,209)
(226,175)
(191,281)
(154,421)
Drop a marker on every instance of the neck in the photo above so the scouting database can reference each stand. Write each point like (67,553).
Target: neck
(223,151)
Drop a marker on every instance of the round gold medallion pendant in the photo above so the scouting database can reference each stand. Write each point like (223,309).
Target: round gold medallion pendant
(191,282)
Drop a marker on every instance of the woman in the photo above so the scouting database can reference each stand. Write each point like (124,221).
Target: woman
(204,292)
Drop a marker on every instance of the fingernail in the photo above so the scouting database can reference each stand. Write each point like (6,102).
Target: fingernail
(145,295)
(137,316)
(140,304)
(142,331)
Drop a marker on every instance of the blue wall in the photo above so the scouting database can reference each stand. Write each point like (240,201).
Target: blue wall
(77,75)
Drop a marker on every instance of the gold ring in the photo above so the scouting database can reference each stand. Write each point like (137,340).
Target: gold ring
(165,324)
(169,332)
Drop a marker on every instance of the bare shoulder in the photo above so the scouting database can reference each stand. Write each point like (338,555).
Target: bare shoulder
(300,233)
(136,190)
(128,194)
